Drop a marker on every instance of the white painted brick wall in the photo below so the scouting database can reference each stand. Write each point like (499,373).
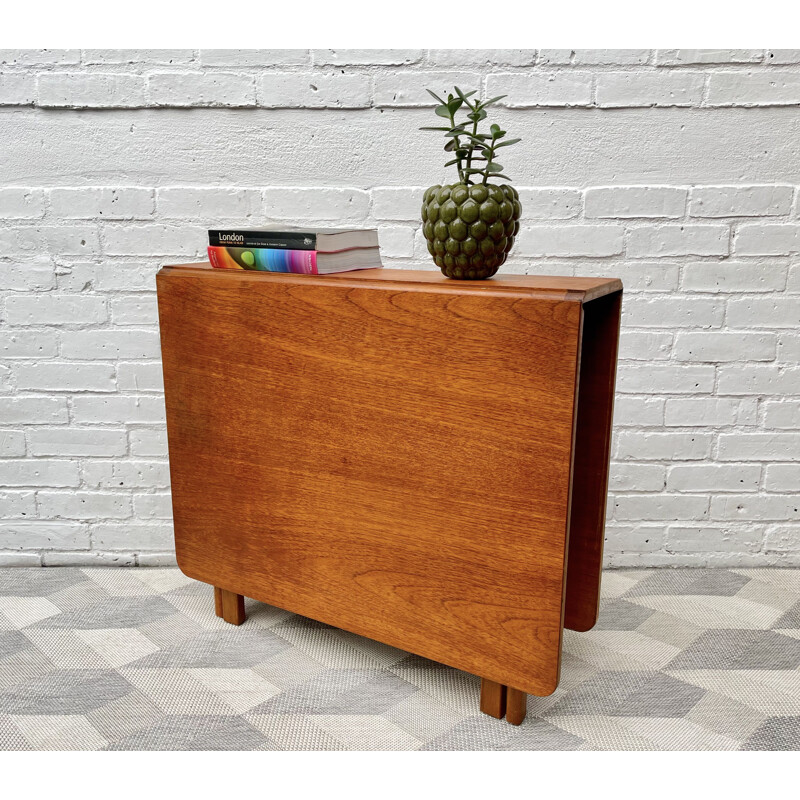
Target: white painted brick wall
(671,169)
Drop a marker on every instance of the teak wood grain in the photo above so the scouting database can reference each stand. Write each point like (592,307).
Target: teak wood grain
(390,452)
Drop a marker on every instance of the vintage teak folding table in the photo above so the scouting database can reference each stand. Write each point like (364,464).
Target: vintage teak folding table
(414,459)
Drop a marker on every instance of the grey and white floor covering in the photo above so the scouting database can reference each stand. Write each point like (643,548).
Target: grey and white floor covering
(135,659)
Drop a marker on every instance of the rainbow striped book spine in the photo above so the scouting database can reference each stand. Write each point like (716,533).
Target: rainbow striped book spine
(264,259)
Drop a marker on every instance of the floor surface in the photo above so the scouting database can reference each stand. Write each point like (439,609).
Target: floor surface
(134,659)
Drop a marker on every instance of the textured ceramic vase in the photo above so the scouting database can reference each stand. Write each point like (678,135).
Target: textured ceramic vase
(470,229)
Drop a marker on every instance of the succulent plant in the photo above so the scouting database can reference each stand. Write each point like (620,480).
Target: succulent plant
(470,225)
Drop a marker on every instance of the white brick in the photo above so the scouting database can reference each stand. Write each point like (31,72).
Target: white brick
(615,57)
(763,312)
(663,379)
(12,443)
(634,538)
(638,411)
(27,276)
(253,58)
(758,446)
(72,240)
(636,276)
(27,535)
(32,58)
(785,414)
(673,312)
(17,89)
(17,202)
(20,559)
(554,57)
(38,472)
(701,412)
(121,56)
(762,88)
(156,240)
(84,505)
(66,377)
(789,348)
(533,89)
(631,89)
(635,201)
(124,277)
(156,559)
(396,241)
(201,89)
(316,203)
(155,536)
(136,310)
(570,240)
(680,57)
(793,283)
(89,90)
(355,56)
(655,508)
(725,347)
(153,506)
(129,202)
(147,442)
(549,203)
(694,539)
(663,446)
(783,57)
(77,442)
(87,410)
(480,58)
(636,477)
(678,240)
(645,345)
(29,344)
(195,203)
(713,478)
(783,478)
(110,344)
(740,201)
(728,276)
(86,559)
(767,240)
(782,539)
(397,202)
(52,309)
(313,90)
(140,377)
(758,379)
(5,379)
(33,410)
(756,507)
(126,474)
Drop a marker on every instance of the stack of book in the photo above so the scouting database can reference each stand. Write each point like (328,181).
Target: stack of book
(311,251)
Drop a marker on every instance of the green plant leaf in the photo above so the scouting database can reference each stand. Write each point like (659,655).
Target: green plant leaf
(442,111)
(436,97)
(504,177)
(450,146)
(473,171)
(495,167)
(454,105)
(434,129)
(507,142)
(495,129)
(454,161)
(493,100)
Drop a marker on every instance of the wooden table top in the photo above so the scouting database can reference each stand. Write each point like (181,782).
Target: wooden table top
(553,287)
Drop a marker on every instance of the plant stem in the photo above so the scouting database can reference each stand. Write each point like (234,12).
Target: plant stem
(456,148)
(489,160)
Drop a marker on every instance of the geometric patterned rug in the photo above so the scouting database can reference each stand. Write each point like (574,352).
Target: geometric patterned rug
(135,659)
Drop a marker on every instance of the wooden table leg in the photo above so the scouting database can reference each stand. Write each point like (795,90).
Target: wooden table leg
(516,706)
(493,698)
(229,606)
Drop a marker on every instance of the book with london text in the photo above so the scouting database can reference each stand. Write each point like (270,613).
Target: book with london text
(309,262)
(323,240)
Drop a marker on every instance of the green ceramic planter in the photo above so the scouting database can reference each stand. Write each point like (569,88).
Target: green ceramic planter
(470,229)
